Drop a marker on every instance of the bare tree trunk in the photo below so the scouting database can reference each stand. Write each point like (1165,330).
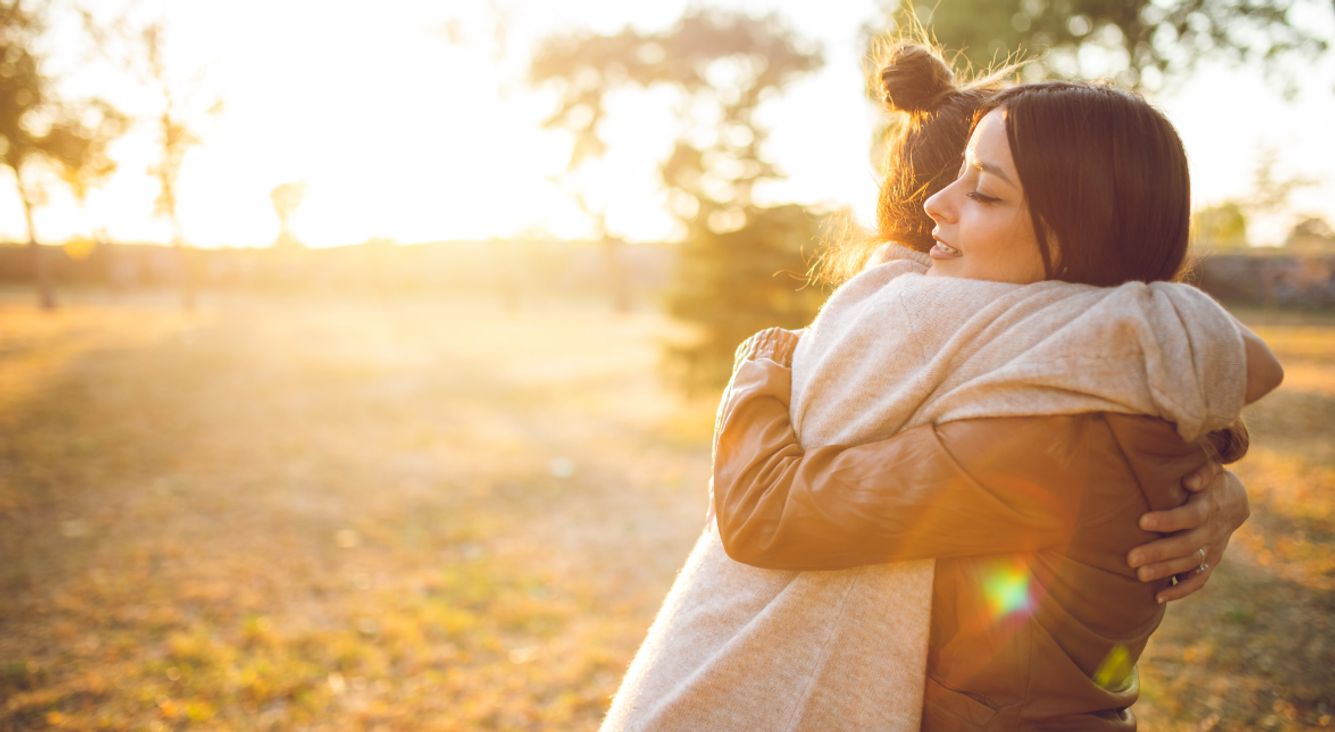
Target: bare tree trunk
(613,256)
(41,265)
(187,275)
(185,272)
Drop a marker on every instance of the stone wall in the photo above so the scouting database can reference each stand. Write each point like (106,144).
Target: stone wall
(1300,280)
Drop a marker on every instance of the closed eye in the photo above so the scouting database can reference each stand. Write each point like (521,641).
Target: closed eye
(982,197)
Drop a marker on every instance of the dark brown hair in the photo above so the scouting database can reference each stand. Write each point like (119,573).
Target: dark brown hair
(923,152)
(1105,177)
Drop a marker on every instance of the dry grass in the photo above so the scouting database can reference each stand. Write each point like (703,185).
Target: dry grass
(276,514)
(1256,650)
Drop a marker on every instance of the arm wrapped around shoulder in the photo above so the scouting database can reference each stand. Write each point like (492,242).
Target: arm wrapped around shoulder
(771,344)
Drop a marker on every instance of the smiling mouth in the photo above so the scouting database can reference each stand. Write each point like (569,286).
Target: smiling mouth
(942,250)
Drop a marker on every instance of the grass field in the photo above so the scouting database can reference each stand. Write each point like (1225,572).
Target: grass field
(429,514)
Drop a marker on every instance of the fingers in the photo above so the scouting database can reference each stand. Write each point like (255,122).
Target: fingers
(1184,586)
(1189,580)
(1166,569)
(1203,477)
(1183,546)
(1189,515)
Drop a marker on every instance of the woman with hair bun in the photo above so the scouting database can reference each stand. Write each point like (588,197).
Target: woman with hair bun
(967,439)
(922,155)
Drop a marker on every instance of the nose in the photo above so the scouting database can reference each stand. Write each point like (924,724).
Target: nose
(938,206)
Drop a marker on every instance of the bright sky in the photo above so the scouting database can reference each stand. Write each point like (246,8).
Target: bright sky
(401,134)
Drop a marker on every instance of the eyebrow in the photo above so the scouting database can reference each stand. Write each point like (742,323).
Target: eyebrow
(993,169)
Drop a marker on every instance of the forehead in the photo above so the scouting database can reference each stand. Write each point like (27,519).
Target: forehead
(988,143)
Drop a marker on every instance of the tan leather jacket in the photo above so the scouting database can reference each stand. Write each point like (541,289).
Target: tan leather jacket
(1037,620)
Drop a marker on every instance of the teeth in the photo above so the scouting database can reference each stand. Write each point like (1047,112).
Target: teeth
(947,247)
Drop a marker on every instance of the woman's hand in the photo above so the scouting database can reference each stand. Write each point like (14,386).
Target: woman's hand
(1216,508)
(775,344)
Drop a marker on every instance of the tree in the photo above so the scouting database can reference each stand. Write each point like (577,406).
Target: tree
(40,130)
(721,67)
(1140,43)
(1224,225)
(1221,226)
(585,68)
(140,49)
(1311,234)
(1268,199)
(730,284)
(81,142)
(507,69)
(1271,190)
(287,198)
(175,138)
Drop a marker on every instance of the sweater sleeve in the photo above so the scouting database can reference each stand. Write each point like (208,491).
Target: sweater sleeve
(1188,352)
(1163,349)
(1196,362)
(971,487)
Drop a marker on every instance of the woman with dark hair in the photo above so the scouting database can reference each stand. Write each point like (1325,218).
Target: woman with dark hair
(1036,619)
(968,351)
(932,116)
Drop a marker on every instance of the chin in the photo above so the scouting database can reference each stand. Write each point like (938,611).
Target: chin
(944,268)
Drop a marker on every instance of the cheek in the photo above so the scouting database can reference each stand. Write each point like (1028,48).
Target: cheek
(1028,256)
(991,231)
(1002,245)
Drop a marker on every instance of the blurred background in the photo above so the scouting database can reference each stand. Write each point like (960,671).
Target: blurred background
(358,363)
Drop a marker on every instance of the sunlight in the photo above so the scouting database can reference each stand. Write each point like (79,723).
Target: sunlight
(406,134)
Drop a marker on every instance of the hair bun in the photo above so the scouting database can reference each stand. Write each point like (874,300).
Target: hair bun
(914,79)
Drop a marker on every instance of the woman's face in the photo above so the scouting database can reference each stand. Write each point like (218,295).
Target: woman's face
(983,228)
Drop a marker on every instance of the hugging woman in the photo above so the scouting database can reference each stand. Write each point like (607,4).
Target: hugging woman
(967,441)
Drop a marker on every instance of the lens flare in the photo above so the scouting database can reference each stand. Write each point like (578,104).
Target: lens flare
(1006,589)
(1114,671)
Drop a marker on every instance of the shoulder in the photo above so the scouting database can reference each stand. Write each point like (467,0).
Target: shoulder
(1098,452)
(1038,433)
(1047,449)
(1146,437)
(1072,444)
(1135,436)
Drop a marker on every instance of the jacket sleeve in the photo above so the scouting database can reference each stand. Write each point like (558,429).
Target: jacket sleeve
(965,488)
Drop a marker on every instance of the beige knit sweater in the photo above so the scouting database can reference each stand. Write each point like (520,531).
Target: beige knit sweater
(736,647)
